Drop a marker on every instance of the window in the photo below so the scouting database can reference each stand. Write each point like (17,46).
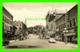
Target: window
(6,20)
(70,23)
(74,22)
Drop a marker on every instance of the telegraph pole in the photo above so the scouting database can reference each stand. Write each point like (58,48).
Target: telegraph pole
(25,22)
(66,27)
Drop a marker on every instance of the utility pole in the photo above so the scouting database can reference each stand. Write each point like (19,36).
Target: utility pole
(25,24)
(66,27)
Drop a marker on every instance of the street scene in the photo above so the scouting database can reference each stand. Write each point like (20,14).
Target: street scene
(35,43)
(40,26)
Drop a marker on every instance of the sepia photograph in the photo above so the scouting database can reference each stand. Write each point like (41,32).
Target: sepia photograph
(50,25)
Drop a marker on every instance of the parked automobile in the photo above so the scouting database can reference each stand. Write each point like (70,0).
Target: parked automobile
(52,40)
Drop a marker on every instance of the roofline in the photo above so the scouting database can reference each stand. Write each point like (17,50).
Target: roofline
(67,12)
(7,11)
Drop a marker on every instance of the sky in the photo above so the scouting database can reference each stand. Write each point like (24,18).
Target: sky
(21,11)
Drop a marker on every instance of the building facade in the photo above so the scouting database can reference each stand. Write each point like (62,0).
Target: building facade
(51,22)
(7,20)
(20,29)
(72,26)
(69,21)
(60,24)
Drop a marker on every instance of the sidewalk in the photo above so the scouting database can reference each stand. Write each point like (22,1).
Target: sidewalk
(68,44)
(12,41)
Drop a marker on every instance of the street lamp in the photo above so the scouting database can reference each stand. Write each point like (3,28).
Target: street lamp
(65,31)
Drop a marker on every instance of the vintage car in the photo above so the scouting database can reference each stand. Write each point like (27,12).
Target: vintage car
(52,40)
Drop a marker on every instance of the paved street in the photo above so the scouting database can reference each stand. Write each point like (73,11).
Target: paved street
(35,42)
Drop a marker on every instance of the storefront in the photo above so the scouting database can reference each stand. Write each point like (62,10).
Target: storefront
(72,37)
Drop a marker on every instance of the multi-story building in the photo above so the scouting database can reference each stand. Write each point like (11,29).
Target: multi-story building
(60,24)
(7,20)
(21,28)
(69,21)
(72,26)
(7,25)
(51,21)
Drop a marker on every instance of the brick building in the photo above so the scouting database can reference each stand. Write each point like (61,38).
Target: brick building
(69,21)
(7,20)
(7,25)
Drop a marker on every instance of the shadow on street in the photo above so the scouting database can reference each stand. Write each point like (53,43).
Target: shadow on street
(22,46)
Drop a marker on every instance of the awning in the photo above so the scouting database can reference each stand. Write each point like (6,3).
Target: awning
(71,34)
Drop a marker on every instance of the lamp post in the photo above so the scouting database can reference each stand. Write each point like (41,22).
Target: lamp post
(65,31)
